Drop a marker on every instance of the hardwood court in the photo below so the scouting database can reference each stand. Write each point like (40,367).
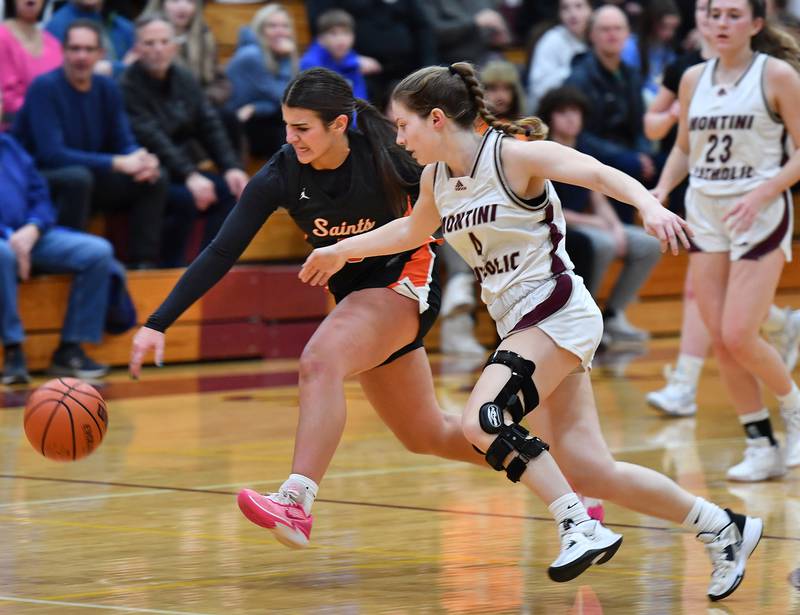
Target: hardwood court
(149,523)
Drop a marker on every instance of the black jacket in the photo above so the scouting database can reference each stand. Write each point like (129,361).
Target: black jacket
(174,120)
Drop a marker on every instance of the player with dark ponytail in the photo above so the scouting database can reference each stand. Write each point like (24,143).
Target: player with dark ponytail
(335,180)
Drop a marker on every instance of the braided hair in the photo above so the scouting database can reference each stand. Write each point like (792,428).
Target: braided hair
(457,91)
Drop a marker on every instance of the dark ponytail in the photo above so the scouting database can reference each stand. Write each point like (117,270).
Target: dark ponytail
(457,91)
(329,95)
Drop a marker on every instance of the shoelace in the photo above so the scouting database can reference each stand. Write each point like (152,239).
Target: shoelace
(284,496)
(720,563)
(677,378)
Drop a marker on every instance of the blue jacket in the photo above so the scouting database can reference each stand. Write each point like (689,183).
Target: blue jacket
(254,84)
(347,67)
(24,198)
(61,126)
(119,31)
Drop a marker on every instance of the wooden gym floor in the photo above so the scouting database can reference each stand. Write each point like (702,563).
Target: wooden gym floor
(149,523)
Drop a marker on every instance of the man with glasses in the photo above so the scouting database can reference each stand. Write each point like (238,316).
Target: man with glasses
(73,123)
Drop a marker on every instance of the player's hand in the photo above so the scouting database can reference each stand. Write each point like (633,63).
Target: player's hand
(143,341)
(661,195)
(320,265)
(666,226)
(743,213)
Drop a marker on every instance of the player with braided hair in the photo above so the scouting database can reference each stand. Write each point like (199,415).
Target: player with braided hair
(493,198)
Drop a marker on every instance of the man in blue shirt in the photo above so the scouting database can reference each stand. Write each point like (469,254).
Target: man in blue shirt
(28,241)
(73,122)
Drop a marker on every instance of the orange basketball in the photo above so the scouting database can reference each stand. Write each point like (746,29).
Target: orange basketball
(65,419)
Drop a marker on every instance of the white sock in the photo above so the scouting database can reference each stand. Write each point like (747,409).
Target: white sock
(776,319)
(791,399)
(568,506)
(305,488)
(690,366)
(706,517)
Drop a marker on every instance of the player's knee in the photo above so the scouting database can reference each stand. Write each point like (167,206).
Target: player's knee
(317,363)
(737,340)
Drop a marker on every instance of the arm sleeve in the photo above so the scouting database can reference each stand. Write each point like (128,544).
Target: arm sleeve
(263,195)
(549,67)
(253,83)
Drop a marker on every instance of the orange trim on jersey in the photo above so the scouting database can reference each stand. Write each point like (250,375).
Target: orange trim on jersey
(418,268)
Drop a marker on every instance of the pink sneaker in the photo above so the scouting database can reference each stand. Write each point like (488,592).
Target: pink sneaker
(280,513)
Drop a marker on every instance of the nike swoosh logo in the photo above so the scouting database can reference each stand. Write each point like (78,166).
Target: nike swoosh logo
(571,505)
(284,520)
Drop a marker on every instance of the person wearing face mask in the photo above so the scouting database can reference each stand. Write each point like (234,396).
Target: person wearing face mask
(259,74)
(25,53)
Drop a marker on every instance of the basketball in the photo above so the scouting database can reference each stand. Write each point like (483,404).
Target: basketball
(65,419)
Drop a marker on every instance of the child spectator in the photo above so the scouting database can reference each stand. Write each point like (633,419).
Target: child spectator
(333,49)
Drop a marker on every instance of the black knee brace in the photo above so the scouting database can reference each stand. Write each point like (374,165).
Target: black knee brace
(514,438)
(508,399)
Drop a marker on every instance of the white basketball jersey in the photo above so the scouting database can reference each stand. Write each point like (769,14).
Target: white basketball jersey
(513,245)
(735,141)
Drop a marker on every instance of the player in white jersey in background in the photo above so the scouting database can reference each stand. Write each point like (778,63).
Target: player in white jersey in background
(736,111)
(782,325)
(493,199)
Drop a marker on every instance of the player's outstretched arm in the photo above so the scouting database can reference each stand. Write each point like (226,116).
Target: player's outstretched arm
(397,236)
(566,165)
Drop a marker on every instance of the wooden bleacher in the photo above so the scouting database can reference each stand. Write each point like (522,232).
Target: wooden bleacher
(260,309)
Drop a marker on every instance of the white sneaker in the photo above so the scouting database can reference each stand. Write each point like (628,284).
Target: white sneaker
(762,461)
(791,420)
(458,336)
(787,340)
(729,550)
(617,330)
(582,545)
(678,397)
(458,295)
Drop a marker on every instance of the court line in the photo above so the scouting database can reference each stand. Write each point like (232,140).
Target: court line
(429,509)
(89,605)
(210,488)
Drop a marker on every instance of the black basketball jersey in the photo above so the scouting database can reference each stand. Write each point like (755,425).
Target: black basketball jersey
(326,205)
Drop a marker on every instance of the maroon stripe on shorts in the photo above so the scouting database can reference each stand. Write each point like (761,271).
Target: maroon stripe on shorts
(554,302)
(774,239)
(556,264)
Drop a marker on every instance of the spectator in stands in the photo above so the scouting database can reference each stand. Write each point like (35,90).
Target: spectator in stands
(503,90)
(591,214)
(553,53)
(613,127)
(392,38)
(25,53)
(333,49)
(466,29)
(197,46)
(73,122)
(28,240)
(652,49)
(172,116)
(259,74)
(117,32)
